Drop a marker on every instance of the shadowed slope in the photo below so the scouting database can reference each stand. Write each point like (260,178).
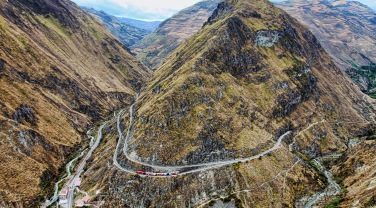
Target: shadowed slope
(59,71)
(251,72)
(347,31)
(250,75)
(157,46)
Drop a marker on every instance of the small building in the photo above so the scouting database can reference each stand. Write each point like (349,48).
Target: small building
(63,195)
(79,203)
(86,199)
(77,182)
(83,201)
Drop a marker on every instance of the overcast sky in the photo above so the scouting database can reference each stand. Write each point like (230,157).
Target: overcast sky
(139,9)
(151,9)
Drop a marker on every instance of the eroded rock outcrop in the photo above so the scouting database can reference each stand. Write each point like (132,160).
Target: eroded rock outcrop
(60,71)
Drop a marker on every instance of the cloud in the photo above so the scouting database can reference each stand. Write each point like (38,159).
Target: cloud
(371,3)
(151,9)
(139,9)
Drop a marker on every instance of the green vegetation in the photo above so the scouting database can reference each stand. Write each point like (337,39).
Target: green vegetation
(335,202)
(365,71)
(319,171)
(3,24)
(46,184)
(339,181)
(236,166)
(314,165)
(24,43)
(55,25)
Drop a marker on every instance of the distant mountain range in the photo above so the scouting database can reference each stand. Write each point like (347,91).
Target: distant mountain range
(246,106)
(251,74)
(126,33)
(149,26)
(157,46)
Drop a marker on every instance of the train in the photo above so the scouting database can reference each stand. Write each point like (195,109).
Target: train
(141,172)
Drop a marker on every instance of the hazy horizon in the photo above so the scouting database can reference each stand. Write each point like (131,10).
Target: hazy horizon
(152,10)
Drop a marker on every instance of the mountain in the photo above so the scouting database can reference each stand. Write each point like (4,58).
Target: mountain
(157,46)
(127,34)
(346,30)
(356,171)
(145,25)
(60,72)
(249,109)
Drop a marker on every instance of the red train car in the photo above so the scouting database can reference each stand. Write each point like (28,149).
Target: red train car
(151,174)
(141,172)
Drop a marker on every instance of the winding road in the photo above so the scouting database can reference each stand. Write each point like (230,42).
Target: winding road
(71,183)
(195,168)
(198,167)
(67,168)
(212,165)
(121,136)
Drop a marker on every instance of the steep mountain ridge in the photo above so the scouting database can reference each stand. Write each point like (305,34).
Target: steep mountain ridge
(263,69)
(356,172)
(157,46)
(249,76)
(145,25)
(60,71)
(127,34)
(346,30)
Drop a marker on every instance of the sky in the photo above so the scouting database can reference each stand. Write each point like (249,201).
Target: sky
(139,9)
(151,10)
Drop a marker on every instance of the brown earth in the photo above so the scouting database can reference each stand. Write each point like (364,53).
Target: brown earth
(346,30)
(157,46)
(251,74)
(245,76)
(60,71)
(356,172)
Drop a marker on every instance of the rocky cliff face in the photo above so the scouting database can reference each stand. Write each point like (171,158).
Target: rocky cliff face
(127,34)
(347,32)
(59,72)
(157,46)
(355,171)
(246,74)
(251,74)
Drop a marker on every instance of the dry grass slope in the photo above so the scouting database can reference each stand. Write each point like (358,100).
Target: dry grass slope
(251,74)
(345,29)
(60,71)
(159,45)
